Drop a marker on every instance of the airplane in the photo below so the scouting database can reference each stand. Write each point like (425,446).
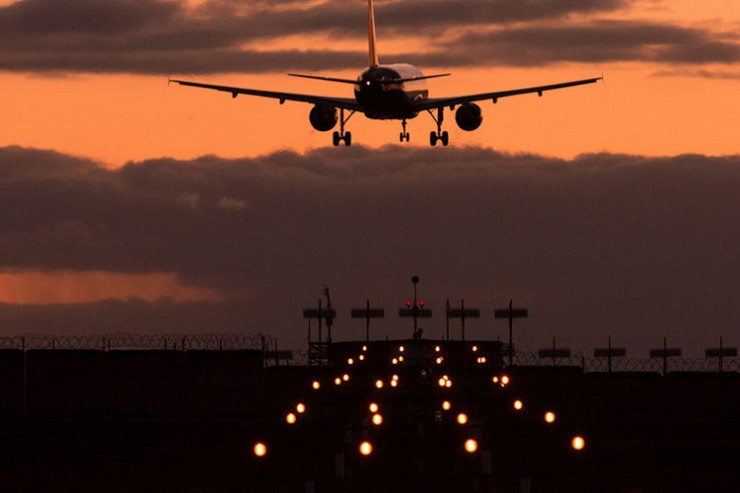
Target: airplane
(388,92)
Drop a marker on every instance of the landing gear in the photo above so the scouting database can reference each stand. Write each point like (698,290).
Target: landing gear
(404,135)
(342,136)
(439,135)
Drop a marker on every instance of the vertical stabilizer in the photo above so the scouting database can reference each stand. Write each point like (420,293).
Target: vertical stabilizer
(372,54)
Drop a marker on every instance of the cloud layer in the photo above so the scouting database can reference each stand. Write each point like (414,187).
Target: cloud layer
(167,37)
(627,246)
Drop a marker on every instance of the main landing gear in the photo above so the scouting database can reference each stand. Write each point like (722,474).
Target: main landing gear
(342,136)
(404,134)
(439,135)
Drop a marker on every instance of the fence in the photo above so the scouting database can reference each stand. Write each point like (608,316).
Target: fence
(106,342)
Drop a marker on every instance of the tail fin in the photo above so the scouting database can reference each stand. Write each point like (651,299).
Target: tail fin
(372,54)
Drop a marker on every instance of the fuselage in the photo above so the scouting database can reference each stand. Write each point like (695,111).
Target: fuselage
(383,99)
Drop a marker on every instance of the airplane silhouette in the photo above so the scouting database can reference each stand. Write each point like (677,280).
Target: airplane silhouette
(388,92)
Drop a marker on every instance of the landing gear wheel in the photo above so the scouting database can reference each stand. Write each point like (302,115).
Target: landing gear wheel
(445,138)
(433,138)
(336,138)
(348,139)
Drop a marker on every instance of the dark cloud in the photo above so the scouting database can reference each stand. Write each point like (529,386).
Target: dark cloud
(167,37)
(627,246)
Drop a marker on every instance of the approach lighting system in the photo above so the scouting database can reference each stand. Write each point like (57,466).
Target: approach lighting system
(260,449)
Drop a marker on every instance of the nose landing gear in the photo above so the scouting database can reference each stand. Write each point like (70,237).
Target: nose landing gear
(404,134)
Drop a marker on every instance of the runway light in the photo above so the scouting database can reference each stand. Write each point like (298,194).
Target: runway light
(260,449)
(379,384)
(448,384)
(373,407)
(345,377)
(505,380)
(549,417)
(494,379)
(446,405)
(401,349)
(437,349)
(395,377)
(361,357)
(300,408)
(337,381)
(350,361)
(518,405)
(377,419)
(316,385)
(471,445)
(394,383)
(475,348)
(364,348)
(290,418)
(439,360)
(394,361)
(578,443)
(366,448)
(400,358)
(442,382)
(462,418)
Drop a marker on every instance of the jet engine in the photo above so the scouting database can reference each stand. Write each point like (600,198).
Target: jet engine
(323,118)
(468,116)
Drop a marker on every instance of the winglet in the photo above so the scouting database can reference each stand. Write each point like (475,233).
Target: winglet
(372,54)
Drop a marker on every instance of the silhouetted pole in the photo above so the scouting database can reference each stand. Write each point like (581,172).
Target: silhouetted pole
(462,313)
(415,310)
(367,313)
(511,313)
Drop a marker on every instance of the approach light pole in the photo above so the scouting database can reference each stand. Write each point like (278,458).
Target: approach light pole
(511,313)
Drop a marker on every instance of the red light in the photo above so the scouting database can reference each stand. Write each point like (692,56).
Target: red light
(408,304)
(421,303)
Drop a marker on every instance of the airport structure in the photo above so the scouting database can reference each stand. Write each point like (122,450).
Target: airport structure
(228,413)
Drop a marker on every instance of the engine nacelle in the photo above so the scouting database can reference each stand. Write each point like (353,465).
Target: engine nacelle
(469,116)
(323,118)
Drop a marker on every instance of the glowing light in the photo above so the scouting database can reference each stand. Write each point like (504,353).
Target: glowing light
(377,419)
(379,384)
(442,382)
(578,443)
(345,377)
(400,358)
(350,361)
(260,449)
(439,360)
(483,359)
(437,349)
(366,448)
(518,405)
(448,384)
(395,377)
(364,348)
(394,383)
(462,418)
(290,418)
(362,357)
(549,417)
(316,385)
(446,405)
(494,379)
(300,408)
(401,349)
(394,361)
(475,348)
(373,407)
(505,380)
(337,381)
(471,445)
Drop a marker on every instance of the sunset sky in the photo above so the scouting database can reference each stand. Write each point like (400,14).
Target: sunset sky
(127,204)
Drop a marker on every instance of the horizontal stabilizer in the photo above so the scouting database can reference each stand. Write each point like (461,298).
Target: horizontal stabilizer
(354,81)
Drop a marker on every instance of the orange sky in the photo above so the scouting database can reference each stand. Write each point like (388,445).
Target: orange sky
(116,118)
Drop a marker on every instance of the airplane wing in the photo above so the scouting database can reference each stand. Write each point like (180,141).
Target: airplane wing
(432,103)
(346,103)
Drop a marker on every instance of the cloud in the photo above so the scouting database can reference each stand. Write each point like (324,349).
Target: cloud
(603,244)
(167,37)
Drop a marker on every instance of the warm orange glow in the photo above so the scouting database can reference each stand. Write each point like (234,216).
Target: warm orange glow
(364,348)
(394,383)
(448,384)
(316,385)
(366,448)
(549,417)
(446,405)
(260,449)
(337,381)
(437,349)
(441,382)
(462,418)
(361,357)
(494,379)
(374,407)
(291,418)
(394,377)
(377,419)
(505,380)
(345,377)
(475,348)
(578,443)
(400,359)
(350,361)
(300,408)
(471,445)
(439,360)
(518,405)
(394,361)
(379,384)
(401,349)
